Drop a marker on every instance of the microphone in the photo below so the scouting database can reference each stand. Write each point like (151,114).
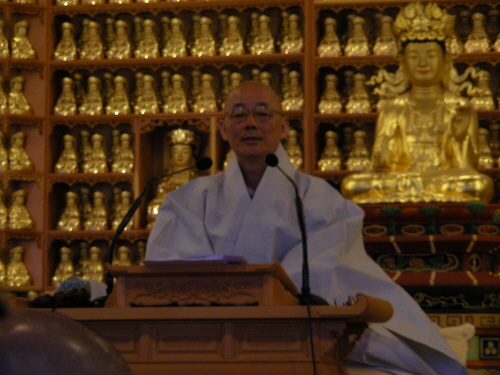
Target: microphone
(306,297)
(202,164)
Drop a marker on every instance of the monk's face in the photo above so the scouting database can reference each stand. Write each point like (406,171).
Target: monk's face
(254,123)
(424,63)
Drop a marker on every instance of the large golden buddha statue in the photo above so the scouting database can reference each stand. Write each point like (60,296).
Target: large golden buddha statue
(425,141)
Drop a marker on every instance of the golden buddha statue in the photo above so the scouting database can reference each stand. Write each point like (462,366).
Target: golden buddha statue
(65,268)
(92,103)
(123,159)
(123,257)
(85,204)
(119,46)
(67,2)
(4,214)
(118,103)
(359,99)
(263,41)
(485,155)
(204,42)
(4,156)
(357,43)
(66,103)
(19,217)
(20,45)
(232,43)
(330,159)
(4,42)
(481,95)
(359,156)
(147,46)
(91,46)
(83,259)
(85,146)
(166,86)
(425,141)
(66,47)
(98,219)
(386,43)
(17,274)
(329,45)
(18,157)
(175,43)
(68,160)
(147,101)
(176,101)
(293,149)
(478,40)
(3,98)
(96,162)
(293,41)
(95,269)
(293,96)
(183,143)
(330,101)
(70,218)
(120,209)
(16,101)
(206,100)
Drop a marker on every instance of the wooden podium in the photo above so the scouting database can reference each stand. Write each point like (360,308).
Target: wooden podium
(260,333)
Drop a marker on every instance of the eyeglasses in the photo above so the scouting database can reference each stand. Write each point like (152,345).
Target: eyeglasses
(261,114)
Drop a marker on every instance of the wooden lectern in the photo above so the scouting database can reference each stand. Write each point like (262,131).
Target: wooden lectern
(225,319)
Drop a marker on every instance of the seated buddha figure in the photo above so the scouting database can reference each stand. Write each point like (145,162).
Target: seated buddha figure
(425,140)
(182,145)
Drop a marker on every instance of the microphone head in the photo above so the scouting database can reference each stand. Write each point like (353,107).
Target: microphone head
(271,160)
(204,163)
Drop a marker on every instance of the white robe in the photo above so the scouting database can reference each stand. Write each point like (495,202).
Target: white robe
(216,215)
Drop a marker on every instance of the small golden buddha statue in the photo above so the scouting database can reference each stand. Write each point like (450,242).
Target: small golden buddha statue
(108,87)
(70,218)
(83,259)
(263,41)
(359,99)
(123,257)
(4,156)
(19,217)
(293,148)
(85,146)
(120,210)
(4,42)
(4,214)
(386,43)
(147,46)
(92,103)
(20,45)
(166,86)
(17,274)
(66,103)
(481,95)
(204,42)
(266,77)
(357,43)
(118,103)
(65,268)
(175,43)
(232,43)
(293,41)
(141,252)
(425,141)
(95,269)
(195,86)
(3,98)
(206,100)
(123,161)
(359,157)
(66,47)
(330,101)
(67,2)
(18,157)
(293,96)
(92,2)
(329,45)
(97,160)
(478,40)
(485,155)
(176,101)
(147,101)
(16,101)
(119,46)
(68,160)
(330,159)
(98,219)
(183,143)
(91,44)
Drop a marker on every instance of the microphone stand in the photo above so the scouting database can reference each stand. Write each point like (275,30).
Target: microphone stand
(202,164)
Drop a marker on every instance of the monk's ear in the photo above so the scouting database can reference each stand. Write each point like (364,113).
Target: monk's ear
(222,129)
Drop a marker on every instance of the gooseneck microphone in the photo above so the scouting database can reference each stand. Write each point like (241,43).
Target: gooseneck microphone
(202,164)
(305,298)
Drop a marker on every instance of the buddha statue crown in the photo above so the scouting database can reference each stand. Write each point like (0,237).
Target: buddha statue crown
(183,137)
(418,23)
